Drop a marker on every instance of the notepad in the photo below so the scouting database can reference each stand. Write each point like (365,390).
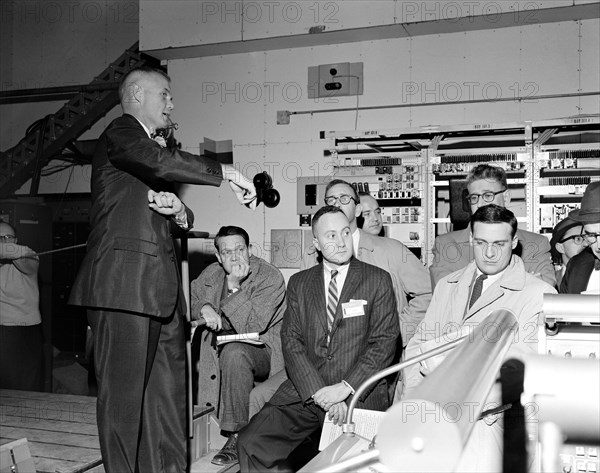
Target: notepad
(252,338)
(366,422)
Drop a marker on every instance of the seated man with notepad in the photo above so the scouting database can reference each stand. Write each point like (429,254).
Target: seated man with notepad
(242,300)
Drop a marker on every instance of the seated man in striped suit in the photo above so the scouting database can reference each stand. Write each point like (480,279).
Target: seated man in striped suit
(339,328)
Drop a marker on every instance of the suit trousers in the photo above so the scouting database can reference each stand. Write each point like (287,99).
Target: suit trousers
(241,364)
(141,407)
(274,433)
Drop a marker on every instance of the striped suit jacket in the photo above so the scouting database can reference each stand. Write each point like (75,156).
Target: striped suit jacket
(360,346)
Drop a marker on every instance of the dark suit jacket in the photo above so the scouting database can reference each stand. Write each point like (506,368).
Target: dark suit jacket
(130,263)
(578,272)
(452,251)
(359,347)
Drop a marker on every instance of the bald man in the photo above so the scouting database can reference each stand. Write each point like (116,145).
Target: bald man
(21,340)
(370,218)
(130,283)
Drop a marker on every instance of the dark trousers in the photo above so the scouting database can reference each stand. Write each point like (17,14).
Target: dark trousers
(241,364)
(274,433)
(21,357)
(141,410)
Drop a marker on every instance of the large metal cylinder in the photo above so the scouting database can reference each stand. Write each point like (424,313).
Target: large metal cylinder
(428,431)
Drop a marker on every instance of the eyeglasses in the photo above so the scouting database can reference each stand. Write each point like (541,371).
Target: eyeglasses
(487,197)
(577,239)
(7,237)
(344,199)
(591,237)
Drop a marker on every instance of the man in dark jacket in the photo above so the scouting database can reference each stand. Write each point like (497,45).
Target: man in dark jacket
(583,271)
(130,283)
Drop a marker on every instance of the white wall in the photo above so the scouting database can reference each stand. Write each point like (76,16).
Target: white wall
(227,97)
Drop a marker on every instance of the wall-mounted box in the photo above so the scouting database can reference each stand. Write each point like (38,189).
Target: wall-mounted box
(335,80)
(310,194)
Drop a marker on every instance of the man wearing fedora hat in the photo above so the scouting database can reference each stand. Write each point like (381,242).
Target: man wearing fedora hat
(583,271)
(567,241)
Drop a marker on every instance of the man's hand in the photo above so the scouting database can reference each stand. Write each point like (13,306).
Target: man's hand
(166,203)
(337,413)
(242,187)
(239,272)
(213,320)
(330,395)
(12,251)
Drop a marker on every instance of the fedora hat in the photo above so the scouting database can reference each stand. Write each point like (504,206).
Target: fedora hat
(561,228)
(589,212)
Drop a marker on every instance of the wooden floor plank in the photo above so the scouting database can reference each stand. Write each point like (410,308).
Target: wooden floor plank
(73,398)
(48,409)
(46,465)
(50,425)
(52,437)
(61,452)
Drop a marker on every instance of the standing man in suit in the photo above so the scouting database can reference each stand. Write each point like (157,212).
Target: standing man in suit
(452,251)
(130,282)
(240,293)
(339,328)
(583,271)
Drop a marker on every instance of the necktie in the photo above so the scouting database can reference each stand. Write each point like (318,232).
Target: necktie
(332,301)
(477,288)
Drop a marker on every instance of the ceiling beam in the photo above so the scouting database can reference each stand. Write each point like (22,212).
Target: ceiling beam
(373,33)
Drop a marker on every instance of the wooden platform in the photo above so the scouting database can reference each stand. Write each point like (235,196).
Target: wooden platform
(63,437)
(60,428)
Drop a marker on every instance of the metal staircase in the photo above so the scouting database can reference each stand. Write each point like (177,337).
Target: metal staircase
(48,137)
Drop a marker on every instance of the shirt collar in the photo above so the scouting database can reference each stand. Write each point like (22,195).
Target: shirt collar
(341,269)
(146,129)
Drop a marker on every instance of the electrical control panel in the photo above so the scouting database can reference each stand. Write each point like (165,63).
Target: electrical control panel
(566,159)
(418,174)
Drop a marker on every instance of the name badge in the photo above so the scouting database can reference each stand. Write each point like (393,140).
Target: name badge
(354,308)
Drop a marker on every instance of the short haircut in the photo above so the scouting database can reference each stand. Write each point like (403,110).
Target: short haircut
(327,209)
(365,194)
(495,214)
(13,229)
(489,173)
(231,231)
(335,182)
(136,73)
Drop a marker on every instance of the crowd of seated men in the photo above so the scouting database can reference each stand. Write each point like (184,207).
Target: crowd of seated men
(360,303)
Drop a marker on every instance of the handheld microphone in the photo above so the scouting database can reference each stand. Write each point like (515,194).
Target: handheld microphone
(264,190)
(167,131)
